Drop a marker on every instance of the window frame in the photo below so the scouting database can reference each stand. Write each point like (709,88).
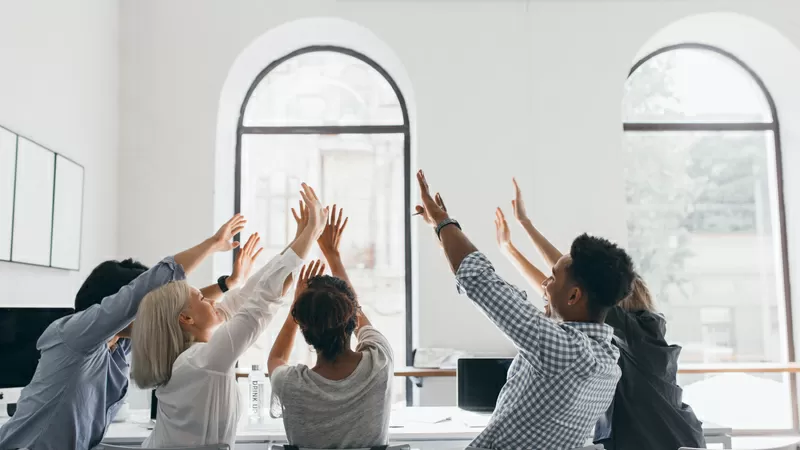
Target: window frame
(772,126)
(404,129)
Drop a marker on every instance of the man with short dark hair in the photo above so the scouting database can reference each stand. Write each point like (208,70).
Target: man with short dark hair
(566,371)
(82,375)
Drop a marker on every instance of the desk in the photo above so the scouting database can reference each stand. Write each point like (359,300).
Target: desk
(413,426)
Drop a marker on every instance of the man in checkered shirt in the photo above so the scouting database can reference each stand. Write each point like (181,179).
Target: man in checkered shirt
(566,372)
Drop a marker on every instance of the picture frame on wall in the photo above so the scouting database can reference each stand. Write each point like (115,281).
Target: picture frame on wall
(41,204)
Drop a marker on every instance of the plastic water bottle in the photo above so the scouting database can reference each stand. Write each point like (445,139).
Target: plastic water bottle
(257,383)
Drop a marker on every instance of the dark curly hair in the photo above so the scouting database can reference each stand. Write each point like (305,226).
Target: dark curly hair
(326,313)
(603,270)
(107,279)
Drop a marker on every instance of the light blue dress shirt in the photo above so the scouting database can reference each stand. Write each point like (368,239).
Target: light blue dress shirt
(79,383)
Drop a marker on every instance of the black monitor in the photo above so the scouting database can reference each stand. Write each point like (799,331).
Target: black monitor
(480,381)
(20,328)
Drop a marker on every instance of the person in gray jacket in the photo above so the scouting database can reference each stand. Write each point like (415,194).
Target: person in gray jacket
(82,376)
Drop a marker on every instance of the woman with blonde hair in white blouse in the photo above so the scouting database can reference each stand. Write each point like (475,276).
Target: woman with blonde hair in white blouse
(186,346)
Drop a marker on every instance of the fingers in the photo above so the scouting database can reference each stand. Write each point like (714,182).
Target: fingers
(302,275)
(256,240)
(516,186)
(236,230)
(500,215)
(440,202)
(419,209)
(238,217)
(311,270)
(514,206)
(319,269)
(423,187)
(294,213)
(237,222)
(339,218)
(341,229)
(258,253)
(249,244)
(309,191)
(306,199)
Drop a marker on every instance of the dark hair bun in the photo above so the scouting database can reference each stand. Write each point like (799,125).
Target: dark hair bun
(326,313)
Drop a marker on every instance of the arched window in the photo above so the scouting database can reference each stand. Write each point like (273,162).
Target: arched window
(706,227)
(333,118)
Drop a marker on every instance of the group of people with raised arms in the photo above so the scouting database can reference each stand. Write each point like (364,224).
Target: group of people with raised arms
(567,380)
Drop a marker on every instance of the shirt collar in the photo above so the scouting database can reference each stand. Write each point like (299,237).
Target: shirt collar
(596,331)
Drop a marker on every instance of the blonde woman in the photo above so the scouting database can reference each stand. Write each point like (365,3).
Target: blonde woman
(647,411)
(186,346)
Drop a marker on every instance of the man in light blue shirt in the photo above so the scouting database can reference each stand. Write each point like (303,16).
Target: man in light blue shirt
(82,375)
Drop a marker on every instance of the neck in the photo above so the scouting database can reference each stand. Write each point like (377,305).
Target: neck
(343,358)
(581,316)
(201,336)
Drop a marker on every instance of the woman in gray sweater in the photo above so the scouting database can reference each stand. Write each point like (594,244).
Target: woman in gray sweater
(344,401)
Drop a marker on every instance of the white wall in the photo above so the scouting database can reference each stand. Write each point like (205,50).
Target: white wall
(501,89)
(58,86)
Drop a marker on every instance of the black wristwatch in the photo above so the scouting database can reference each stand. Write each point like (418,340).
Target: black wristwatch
(444,223)
(221,282)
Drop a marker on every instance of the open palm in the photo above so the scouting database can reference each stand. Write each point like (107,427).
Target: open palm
(501,228)
(518,205)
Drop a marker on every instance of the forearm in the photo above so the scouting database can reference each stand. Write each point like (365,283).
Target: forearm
(362,320)
(282,348)
(533,275)
(191,258)
(456,246)
(212,292)
(302,244)
(336,266)
(548,251)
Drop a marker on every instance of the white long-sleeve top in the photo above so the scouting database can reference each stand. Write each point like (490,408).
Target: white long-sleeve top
(201,404)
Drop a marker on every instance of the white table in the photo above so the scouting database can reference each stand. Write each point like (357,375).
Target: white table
(414,426)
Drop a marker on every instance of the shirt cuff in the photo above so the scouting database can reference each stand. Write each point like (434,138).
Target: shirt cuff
(290,258)
(178,273)
(473,265)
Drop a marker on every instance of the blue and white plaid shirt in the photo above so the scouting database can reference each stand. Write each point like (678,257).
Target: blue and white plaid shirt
(563,378)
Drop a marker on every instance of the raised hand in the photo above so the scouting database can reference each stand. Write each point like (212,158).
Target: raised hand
(518,205)
(332,234)
(302,219)
(222,239)
(307,272)
(317,214)
(432,209)
(243,264)
(501,227)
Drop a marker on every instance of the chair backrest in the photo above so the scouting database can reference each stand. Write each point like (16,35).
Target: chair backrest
(125,447)
(377,447)
(589,447)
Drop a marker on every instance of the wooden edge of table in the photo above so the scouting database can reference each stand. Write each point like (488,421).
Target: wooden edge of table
(419,372)
(398,372)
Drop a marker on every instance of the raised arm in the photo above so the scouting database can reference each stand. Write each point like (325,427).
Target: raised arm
(282,348)
(548,251)
(242,266)
(261,295)
(505,305)
(99,323)
(329,244)
(533,275)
